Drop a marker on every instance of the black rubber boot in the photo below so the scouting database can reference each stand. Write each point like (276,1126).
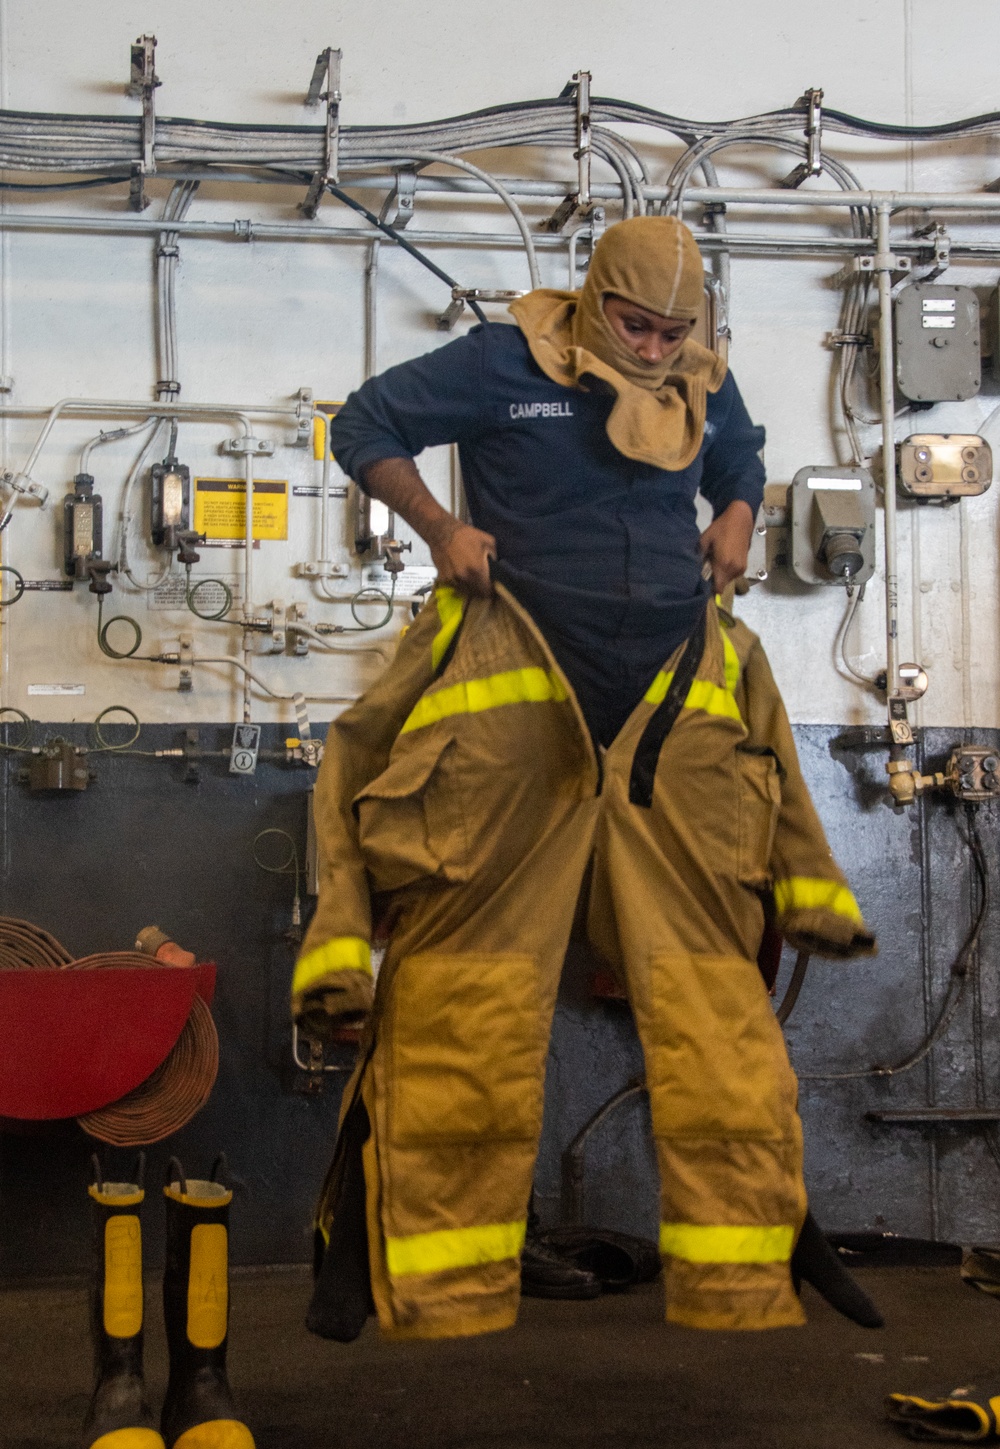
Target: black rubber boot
(119,1416)
(816,1262)
(198,1412)
(546,1274)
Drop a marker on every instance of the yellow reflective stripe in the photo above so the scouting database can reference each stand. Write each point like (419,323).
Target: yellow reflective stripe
(450,607)
(703,695)
(514,686)
(732,661)
(343,953)
(453,1248)
(803,893)
(697,1244)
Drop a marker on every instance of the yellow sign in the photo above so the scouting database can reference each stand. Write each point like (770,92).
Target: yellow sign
(220,508)
(324,411)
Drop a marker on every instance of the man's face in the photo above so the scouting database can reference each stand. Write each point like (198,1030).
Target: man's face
(651,337)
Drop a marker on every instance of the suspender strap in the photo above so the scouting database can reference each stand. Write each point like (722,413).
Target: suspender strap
(449,652)
(661,721)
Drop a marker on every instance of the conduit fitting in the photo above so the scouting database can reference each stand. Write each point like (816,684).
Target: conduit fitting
(905,784)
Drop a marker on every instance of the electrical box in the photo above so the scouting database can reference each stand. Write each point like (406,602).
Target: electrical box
(169,502)
(83,538)
(945,466)
(832,525)
(938,356)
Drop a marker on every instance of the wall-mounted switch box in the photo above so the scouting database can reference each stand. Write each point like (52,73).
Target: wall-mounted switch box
(938,356)
(832,525)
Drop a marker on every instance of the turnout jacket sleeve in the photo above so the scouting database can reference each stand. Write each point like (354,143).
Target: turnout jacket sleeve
(437,398)
(814,908)
(732,466)
(332,984)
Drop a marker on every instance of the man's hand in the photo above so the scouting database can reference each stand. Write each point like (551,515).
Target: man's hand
(461,553)
(725,544)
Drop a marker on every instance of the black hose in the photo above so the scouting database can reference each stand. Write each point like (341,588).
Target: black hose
(791,995)
(63,185)
(391,232)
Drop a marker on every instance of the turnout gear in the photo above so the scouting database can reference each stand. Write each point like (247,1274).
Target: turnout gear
(198,1412)
(659,412)
(967,1415)
(119,1416)
(463,795)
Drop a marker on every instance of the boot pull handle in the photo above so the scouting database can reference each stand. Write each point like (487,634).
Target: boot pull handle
(96,1176)
(175,1173)
(220,1170)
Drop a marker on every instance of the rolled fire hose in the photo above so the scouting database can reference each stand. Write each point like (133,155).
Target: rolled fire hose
(180,1085)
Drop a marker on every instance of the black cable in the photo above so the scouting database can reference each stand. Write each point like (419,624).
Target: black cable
(63,185)
(394,235)
(882,128)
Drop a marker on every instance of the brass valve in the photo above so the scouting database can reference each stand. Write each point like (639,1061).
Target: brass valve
(905,784)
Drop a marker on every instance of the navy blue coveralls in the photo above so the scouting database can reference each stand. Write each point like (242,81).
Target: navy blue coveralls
(602,551)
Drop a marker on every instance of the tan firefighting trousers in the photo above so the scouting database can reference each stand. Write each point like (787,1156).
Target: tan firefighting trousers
(462,795)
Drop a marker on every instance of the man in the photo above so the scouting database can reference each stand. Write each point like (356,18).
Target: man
(572,714)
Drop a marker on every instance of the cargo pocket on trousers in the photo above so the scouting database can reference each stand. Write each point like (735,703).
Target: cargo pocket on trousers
(413,818)
(759,800)
(467,1050)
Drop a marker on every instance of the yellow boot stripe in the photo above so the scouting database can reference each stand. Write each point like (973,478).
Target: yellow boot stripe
(450,607)
(515,686)
(122,1276)
(343,953)
(129,1439)
(703,695)
(216,1434)
(725,1244)
(208,1285)
(453,1248)
(803,893)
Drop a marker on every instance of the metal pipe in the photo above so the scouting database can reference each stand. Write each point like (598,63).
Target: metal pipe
(248,610)
(558,190)
(384,651)
(262,684)
(736,242)
(883,262)
(110,407)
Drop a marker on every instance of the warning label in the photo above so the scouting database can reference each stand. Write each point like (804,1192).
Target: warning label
(220,510)
(208,594)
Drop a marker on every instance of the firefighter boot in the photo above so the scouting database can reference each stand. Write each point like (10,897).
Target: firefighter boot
(198,1412)
(119,1416)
